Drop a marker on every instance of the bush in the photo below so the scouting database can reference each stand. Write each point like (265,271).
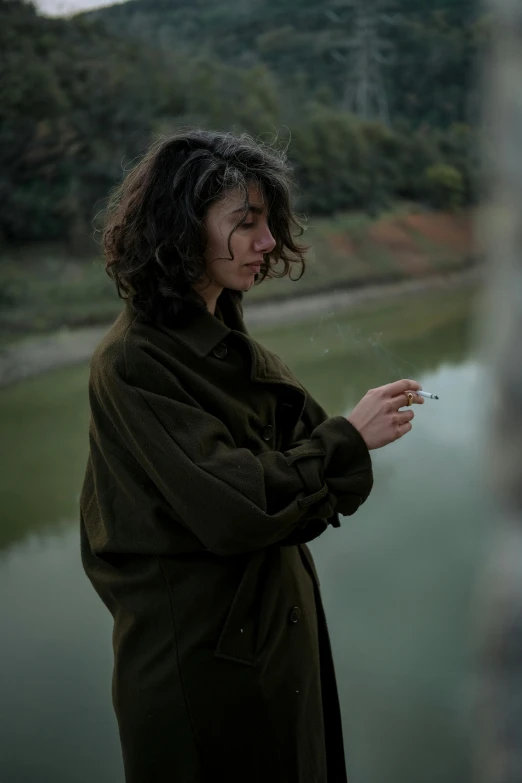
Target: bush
(444,186)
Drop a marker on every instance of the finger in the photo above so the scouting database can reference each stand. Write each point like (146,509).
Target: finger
(402,429)
(394,389)
(401,417)
(402,400)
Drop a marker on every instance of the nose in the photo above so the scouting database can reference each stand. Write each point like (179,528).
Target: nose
(264,243)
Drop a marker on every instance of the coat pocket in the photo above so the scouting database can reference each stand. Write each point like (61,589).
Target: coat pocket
(238,640)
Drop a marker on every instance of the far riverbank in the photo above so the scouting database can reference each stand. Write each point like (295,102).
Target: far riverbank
(34,355)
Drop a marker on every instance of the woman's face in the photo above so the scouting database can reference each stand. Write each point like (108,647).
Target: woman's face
(249,242)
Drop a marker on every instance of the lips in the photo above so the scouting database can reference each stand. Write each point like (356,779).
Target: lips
(255,267)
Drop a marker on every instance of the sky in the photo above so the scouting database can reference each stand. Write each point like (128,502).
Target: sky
(62,7)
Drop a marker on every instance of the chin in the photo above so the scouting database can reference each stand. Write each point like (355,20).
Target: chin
(246,285)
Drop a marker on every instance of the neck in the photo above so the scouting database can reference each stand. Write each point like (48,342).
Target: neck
(210,293)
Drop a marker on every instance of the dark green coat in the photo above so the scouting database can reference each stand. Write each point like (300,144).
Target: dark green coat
(209,469)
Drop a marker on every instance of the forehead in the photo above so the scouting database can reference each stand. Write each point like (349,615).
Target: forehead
(233,202)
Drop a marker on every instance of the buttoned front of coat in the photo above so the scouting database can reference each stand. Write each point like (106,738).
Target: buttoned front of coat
(210,468)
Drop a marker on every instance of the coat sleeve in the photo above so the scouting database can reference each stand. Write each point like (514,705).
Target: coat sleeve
(232,500)
(313,415)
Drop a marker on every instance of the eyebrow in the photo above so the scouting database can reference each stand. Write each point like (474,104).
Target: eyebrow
(257,210)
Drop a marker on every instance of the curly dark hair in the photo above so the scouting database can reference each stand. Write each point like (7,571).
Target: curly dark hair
(153,240)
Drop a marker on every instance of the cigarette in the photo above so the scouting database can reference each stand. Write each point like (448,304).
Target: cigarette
(427,395)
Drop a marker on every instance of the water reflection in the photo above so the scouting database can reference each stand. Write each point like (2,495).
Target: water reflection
(56,663)
(396,578)
(338,358)
(398,584)
(43,449)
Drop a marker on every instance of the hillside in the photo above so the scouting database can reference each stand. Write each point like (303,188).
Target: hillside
(48,290)
(422,54)
(81,98)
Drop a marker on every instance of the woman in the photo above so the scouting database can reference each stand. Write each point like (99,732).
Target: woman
(210,468)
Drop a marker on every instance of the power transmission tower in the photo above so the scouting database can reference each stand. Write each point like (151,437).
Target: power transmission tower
(364,51)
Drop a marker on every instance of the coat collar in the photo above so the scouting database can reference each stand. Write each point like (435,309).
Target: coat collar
(201,332)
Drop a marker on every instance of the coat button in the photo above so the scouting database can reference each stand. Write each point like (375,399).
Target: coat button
(220,351)
(295,614)
(267,432)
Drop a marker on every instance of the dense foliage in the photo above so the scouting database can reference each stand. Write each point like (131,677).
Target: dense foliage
(80,98)
(430,46)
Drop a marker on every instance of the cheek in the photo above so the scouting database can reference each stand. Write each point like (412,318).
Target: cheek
(218,249)
(240,244)
(217,270)
(216,244)
(220,267)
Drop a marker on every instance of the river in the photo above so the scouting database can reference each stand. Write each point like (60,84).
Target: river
(397,578)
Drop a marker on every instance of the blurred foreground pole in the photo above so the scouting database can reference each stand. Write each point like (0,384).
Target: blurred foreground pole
(499,746)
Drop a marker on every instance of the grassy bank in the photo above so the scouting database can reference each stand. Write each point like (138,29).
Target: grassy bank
(44,289)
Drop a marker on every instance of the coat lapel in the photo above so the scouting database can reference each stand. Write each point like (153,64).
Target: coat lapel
(266,367)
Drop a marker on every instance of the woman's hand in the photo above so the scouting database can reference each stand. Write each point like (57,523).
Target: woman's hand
(377,416)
